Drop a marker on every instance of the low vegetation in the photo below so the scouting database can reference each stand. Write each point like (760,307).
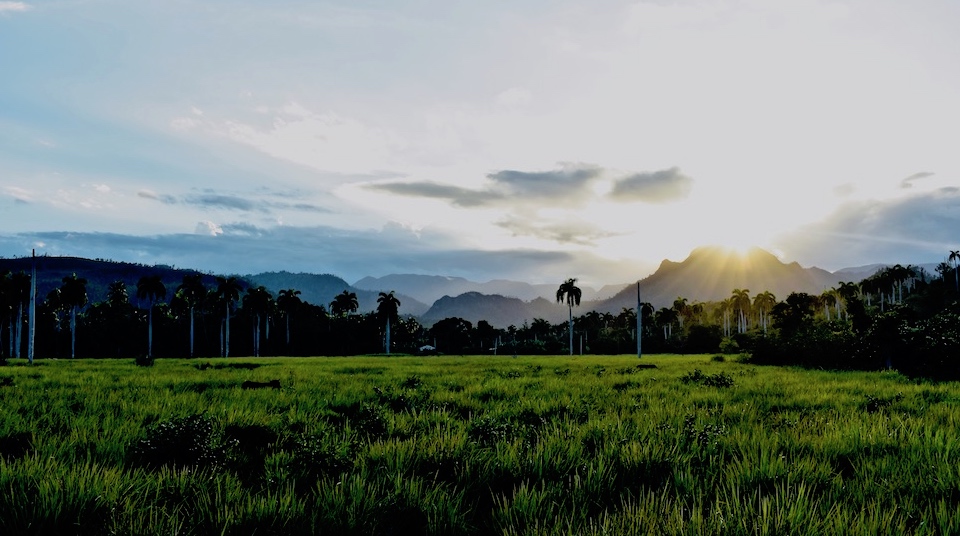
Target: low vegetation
(474,445)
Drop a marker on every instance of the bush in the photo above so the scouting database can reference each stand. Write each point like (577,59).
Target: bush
(184,442)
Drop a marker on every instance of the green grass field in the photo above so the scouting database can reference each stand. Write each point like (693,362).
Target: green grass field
(474,445)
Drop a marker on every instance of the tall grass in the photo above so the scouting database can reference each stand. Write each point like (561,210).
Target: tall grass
(474,445)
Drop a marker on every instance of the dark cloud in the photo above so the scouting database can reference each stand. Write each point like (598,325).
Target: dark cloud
(580,232)
(568,182)
(456,195)
(565,186)
(908,182)
(915,229)
(212,200)
(656,187)
(165,199)
(229,202)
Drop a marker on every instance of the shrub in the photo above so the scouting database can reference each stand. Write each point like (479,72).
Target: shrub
(185,442)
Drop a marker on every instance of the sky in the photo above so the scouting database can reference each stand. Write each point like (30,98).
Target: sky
(531,140)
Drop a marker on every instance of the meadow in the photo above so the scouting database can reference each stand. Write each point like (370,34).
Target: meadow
(474,445)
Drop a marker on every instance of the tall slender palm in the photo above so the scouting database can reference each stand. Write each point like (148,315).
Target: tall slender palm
(287,302)
(150,288)
(257,302)
(763,303)
(387,307)
(73,295)
(227,293)
(6,307)
(193,292)
(344,303)
(741,303)
(955,259)
(569,293)
(20,296)
(682,309)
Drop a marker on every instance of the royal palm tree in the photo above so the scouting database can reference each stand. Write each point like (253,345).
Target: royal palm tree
(387,308)
(569,293)
(287,302)
(682,309)
(227,293)
(763,303)
(741,304)
(73,295)
(955,259)
(19,290)
(150,288)
(193,293)
(344,304)
(257,302)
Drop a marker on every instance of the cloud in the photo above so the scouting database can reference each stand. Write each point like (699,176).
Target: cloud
(908,182)
(914,229)
(150,194)
(212,200)
(208,228)
(14,7)
(565,232)
(657,187)
(456,195)
(567,186)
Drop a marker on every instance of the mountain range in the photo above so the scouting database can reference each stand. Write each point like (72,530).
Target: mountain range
(707,274)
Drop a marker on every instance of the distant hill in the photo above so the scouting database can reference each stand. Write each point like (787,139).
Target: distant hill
(711,274)
(100,274)
(321,289)
(499,311)
(430,288)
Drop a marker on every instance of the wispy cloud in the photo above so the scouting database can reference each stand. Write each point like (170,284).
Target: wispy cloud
(255,203)
(14,7)
(565,232)
(902,230)
(908,182)
(566,186)
(656,187)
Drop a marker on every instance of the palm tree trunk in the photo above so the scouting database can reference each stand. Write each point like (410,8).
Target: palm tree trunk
(73,332)
(288,331)
(18,343)
(388,336)
(150,331)
(191,331)
(226,337)
(570,314)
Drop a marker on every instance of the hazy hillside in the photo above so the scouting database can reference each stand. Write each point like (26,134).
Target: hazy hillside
(430,288)
(711,274)
(321,289)
(499,311)
(99,274)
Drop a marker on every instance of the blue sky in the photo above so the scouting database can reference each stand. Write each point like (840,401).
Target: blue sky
(523,140)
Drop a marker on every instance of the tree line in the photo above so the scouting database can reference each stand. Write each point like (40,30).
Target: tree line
(851,325)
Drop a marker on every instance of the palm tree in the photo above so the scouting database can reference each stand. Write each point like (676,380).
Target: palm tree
(193,293)
(6,307)
(73,294)
(387,307)
(257,302)
(19,296)
(955,259)
(344,303)
(682,309)
(763,303)
(151,289)
(569,293)
(227,293)
(287,302)
(741,303)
